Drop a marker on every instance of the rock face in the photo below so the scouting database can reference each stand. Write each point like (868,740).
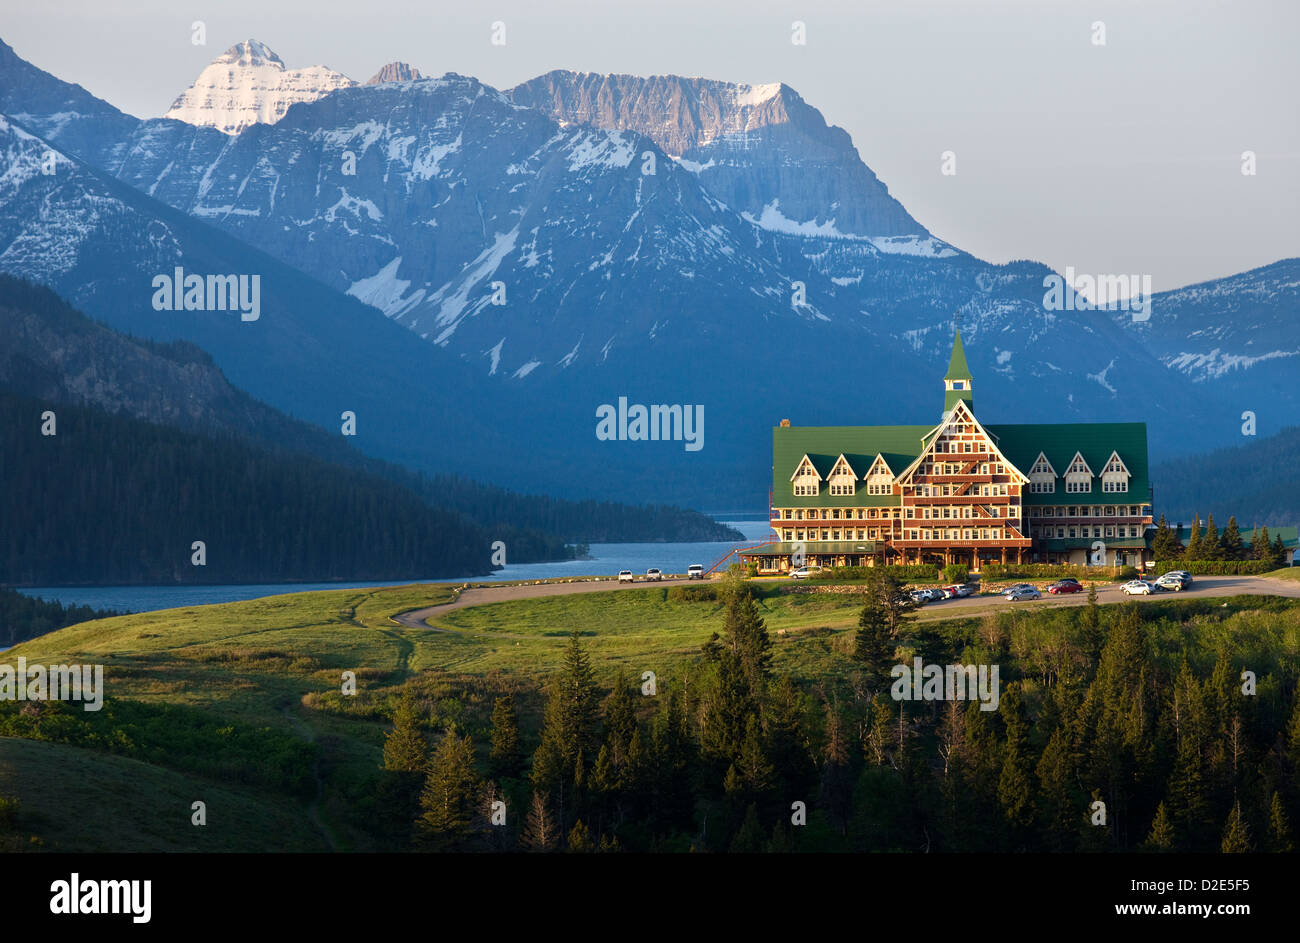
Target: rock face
(761,149)
(248,84)
(394,72)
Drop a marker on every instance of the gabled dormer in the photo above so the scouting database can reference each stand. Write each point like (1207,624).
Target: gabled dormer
(1115,475)
(806,481)
(1078,476)
(843,480)
(880,477)
(1042,476)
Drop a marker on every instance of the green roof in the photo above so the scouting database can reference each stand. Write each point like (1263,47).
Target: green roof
(781,547)
(957,368)
(1095,440)
(900,446)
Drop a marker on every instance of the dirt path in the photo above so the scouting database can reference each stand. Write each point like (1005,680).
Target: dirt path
(1203,587)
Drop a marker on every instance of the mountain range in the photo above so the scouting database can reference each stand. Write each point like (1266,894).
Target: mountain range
(477,271)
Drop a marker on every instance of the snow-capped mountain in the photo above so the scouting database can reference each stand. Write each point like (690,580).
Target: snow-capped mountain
(248,84)
(760,149)
(540,264)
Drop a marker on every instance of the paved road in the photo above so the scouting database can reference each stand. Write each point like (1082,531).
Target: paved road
(1203,587)
(416,618)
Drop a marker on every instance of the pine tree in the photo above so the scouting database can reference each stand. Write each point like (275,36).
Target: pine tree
(1090,625)
(1194,549)
(1165,545)
(568,728)
(405,749)
(874,645)
(580,839)
(505,755)
(1233,548)
(837,783)
(449,791)
(1015,785)
(1277,552)
(1279,827)
(783,736)
(620,715)
(1211,547)
(1236,835)
(744,633)
(749,839)
(540,831)
(1260,549)
(1161,837)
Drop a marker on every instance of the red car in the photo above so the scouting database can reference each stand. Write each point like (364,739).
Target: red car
(1065,586)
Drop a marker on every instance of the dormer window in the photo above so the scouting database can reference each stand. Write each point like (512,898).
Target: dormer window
(1042,476)
(1115,477)
(880,480)
(1078,477)
(843,479)
(805,481)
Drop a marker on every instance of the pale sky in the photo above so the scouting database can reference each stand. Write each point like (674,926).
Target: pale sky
(1123,158)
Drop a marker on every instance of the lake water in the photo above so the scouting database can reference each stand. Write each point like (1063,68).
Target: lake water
(606,560)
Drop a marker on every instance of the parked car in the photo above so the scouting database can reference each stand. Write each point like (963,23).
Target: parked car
(695,572)
(625,576)
(654,575)
(1024,592)
(1173,582)
(956,591)
(1065,586)
(920,596)
(1137,588)
(804,572)
(1016,586)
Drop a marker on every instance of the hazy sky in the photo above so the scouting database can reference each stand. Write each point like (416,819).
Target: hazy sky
(1123,158)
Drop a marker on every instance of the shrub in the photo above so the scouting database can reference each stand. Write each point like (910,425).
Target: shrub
(1020,571)
(8,811)
(1217,567)
(956,573)
(693,594)
(912,572)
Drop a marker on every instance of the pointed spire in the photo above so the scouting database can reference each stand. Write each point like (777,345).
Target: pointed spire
(957,368)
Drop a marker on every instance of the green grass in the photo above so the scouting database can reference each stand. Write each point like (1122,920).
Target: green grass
(1286,573)
(271,670)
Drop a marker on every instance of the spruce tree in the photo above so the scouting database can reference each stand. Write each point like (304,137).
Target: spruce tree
(1015,784)
(1236,836)
(874,644)
(1233,548)
(1090,625)
(540,831)
(505,755)
(405,749)
(1161,836)
(620,715)
(580,839)
(1194,549)
(1277,552)
(449,791)
(1211,546)
(749,838)
(1279,827)
(1260,549)
(1165,545)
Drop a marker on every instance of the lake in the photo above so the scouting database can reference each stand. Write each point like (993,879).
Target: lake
(606,560)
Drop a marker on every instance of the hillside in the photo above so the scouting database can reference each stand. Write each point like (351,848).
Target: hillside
(1264,475)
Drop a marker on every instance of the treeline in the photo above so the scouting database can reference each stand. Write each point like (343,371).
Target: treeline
(1262,472)
(23,617)
(1112,732)
(575,521)
(115,500)
(1210,543)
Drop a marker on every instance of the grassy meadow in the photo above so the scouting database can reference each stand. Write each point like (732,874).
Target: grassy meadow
(240,705)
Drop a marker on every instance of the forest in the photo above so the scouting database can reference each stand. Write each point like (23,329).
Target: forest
(1166,727)
(23,617)
(108,499)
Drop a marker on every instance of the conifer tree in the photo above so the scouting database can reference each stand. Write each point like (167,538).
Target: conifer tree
(1211,548)
(1193,551)
(505,755)
(449,791)
(1260,548)
(1277,552)
(1090,625)
(405,749)
(1236,835)
(837,781)
(1279,827)
(784,739)
(874,643)
(1015,784)
(580,839)
(1165,545)
(749,838)
(540,831)
(1161,836)
(1233,548)
(620,715)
